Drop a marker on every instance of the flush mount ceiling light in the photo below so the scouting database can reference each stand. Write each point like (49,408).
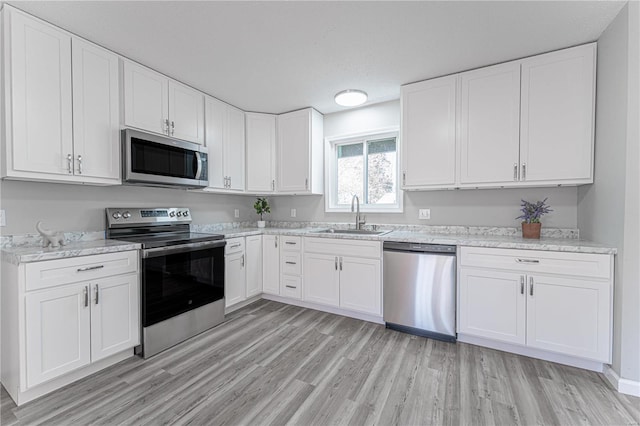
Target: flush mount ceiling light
(351,97)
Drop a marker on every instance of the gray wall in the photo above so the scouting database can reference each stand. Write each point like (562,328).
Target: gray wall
(486,207)
(608,209)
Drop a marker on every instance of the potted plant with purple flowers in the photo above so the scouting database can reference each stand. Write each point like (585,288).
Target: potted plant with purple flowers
(531,214)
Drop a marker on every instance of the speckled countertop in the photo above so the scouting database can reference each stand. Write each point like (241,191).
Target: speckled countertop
(32,253)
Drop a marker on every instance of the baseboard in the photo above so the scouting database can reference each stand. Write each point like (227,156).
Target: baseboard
(626,386)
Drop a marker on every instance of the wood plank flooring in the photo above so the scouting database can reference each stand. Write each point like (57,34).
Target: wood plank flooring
(271,363)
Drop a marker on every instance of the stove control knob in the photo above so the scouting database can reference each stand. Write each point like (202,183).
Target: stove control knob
(172,214)
(126,215)
(116,215)
(185,213)
(178,214)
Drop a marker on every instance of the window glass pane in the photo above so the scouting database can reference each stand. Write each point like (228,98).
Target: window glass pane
(350,172)
(382,171)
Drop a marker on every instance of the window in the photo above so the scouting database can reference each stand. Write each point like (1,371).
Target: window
(366,166)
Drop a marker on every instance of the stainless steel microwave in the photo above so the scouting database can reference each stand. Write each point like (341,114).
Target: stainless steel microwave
(156,160)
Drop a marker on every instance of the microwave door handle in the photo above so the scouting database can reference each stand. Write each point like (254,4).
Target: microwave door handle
(199,165)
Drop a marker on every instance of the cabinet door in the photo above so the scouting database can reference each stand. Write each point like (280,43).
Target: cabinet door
(570,316)
(294,138)
(270,264)
(321,279)
(558,91)
(57,332)
(490,124)
(96,111)
(261,149)
(186,113)
(492,305)
(360,285)
(254,265)
(215,112)
(40,87)
(146,98)
(234,148)
(115,323)
(429,133)
(234,279)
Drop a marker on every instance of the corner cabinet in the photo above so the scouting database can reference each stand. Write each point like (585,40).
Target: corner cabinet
(261,152)
(225,139)
(61,105)
(67,318)
(523,123)
(300,152)
(550,301)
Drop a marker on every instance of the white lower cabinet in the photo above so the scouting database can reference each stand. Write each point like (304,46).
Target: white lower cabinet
(67,318)
(243,269)
(270,264)
(556,302)
(360,285)
(254,265)
(321,279)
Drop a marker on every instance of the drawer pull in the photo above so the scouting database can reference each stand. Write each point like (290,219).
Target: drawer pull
(290,286)
(90,268)
(290,243)
(527,261)
(235,246)
(290,263)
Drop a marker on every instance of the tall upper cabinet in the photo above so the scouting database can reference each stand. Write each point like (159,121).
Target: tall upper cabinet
(59,125)
(158,104)
(300,152)
(522,123)
(261,152)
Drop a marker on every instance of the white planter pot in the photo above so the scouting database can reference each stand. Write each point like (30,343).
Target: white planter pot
(261,223)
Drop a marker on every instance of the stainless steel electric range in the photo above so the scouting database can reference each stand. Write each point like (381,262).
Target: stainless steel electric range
(182,274)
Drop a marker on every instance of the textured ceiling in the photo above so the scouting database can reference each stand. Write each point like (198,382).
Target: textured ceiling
(281,56)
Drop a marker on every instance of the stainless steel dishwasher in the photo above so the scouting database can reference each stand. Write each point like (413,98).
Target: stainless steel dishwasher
(420,289)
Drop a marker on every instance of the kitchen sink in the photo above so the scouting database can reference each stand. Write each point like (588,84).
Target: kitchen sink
(352,232)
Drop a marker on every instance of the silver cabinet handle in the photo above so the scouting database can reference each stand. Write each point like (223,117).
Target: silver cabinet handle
(530,286)
(341,263)
(229,181)
(166,126)
(290,286)
(235,245)
(290,243)
(336,263)
(273,184)
(276,240)
(306,183)
(97,294)
(85,292)
(404,178)
(90,268)
(527,260)
(290,263)
(524,171)
(242,260)
(70,163)
(521,284)
(515,171)
(79,164)
(173,127)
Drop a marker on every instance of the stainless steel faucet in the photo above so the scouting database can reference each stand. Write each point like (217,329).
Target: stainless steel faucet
(359,220)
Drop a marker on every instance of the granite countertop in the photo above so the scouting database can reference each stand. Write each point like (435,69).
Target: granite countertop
(32,253)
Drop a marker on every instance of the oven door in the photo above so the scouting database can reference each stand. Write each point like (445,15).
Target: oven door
(180,278)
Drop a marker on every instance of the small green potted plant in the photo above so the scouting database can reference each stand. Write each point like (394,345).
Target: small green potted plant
(262,206)
(531,214)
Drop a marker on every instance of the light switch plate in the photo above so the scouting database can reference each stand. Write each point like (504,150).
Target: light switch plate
(424,214)
(3,218)
(236,213)
(293,212)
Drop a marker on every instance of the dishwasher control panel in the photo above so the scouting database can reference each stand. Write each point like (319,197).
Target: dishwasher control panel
(417,247)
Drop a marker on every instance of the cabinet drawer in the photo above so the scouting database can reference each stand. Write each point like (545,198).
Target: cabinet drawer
(234,245)
(290,263)
(343,247)
(51,273)
(291,286)
(291,243)
(533,261)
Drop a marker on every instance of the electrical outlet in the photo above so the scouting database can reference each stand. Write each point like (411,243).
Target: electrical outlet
(293,212)
(236,213)
(3,218)
(424,214)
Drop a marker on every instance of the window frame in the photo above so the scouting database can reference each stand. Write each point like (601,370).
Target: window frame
(331,170)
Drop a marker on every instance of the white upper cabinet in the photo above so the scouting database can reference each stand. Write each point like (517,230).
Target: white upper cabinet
(39,122)
(490,124)
(557,124)
(300,152)
(429,133)
(96,111)
(62,105)
(225,141)
(261,152)
(155,103)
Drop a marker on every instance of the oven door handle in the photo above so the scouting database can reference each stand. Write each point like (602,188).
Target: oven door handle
(183,248)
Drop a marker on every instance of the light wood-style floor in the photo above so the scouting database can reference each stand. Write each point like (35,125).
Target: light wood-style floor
(277,364)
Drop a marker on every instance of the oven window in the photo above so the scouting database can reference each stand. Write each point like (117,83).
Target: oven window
(177,283)
(157,159)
